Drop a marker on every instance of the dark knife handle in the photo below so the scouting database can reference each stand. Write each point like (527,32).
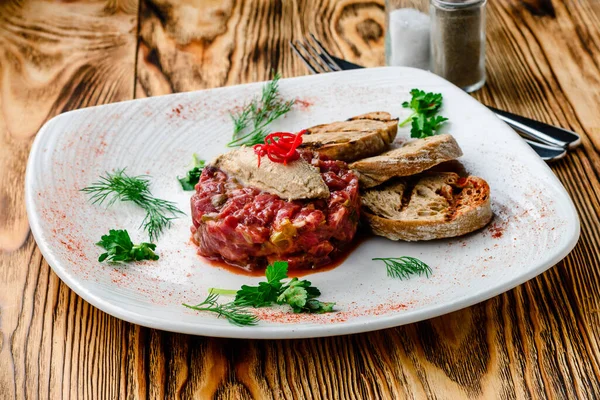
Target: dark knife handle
(345,65)
(541,131)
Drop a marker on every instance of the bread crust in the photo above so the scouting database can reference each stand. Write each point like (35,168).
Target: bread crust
(361,136)
(412,158)
(468,209)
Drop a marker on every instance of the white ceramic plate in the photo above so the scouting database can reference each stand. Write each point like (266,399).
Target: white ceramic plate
(535,223)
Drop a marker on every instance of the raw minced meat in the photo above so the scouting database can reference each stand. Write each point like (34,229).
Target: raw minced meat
(249,228)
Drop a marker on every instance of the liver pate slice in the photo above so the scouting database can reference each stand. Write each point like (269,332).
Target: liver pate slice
(294,181)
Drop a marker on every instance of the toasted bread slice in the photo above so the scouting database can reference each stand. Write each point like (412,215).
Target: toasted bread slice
(414,157)
(429,206)
(361,136)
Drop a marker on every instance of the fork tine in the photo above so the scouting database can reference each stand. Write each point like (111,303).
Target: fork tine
(315,59)
(315,53)
(325,55)
(304,59)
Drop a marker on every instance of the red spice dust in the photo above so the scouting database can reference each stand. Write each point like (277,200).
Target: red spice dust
(68,246)
(177,112)
(101,148)
(302,105)
(496,230)
(284,316)
(386,308)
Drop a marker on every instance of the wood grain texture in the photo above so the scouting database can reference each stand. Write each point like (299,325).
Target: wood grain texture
(54,57)
(539,340)
(205,44)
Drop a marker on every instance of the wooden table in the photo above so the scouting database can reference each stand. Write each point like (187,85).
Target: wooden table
(538,340)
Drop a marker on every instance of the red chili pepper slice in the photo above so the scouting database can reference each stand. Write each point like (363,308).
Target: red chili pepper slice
(297,142)
(280,147)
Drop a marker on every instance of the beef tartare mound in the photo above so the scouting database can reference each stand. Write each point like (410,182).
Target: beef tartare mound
(249,227)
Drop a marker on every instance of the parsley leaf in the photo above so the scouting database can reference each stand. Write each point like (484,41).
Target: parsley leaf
(424,103)
(276,272)
(301,296)
(425,106)
(120,248)
(265,293)
(262,295)
(298,294)
(423,127)
(192,177)
(295,295)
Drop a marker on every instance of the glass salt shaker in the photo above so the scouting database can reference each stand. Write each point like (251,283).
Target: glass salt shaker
(407,33)
(458,41)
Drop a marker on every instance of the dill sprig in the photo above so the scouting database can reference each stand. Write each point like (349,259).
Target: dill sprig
(136,189)
(236,314)
(404,267)
(250,124)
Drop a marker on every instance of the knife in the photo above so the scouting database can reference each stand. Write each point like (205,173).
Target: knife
(545,133)
(546,152)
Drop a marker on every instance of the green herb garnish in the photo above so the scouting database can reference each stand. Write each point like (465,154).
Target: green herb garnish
(237,315)
(120,186)
(301,296)
(298,294)
(250,124)
(425,106)
(189,181)
(265,293)
(120,248)
(404,267)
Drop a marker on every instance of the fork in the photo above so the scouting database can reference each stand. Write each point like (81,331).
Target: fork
(554,141)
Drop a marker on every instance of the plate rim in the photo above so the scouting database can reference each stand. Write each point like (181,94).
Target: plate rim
(283,331)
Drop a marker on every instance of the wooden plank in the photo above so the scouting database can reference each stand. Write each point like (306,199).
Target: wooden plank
(49,66)
(538,340)
(214,43)
(54,57)
(551,100)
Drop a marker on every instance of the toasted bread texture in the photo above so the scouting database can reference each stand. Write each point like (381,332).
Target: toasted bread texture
(412,158)
(428,206)
(359,137)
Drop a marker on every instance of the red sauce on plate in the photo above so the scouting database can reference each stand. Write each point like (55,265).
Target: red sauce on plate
(337,261)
